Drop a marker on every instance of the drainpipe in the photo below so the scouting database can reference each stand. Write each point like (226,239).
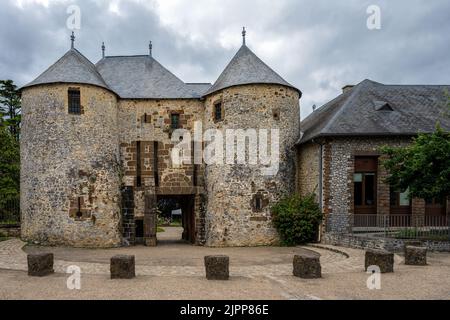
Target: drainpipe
(320,182)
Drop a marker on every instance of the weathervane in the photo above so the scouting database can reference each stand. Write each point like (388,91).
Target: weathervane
(103,50)
(72,39)
(243,35)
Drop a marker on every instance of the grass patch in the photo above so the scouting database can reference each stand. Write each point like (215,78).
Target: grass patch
(159,230)
(9,223)
(415,233)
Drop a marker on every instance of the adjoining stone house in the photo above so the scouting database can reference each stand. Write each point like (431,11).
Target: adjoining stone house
(339,157)
(96,151)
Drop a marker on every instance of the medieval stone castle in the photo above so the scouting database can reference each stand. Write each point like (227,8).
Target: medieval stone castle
(97,140)
(96,151)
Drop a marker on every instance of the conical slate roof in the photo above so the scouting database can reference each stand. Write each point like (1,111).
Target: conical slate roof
(142,77)
(247,68)
(73,67)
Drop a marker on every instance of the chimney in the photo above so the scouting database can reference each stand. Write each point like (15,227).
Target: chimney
(347,88)
(314,107)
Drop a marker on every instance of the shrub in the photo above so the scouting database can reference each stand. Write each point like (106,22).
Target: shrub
(297,219)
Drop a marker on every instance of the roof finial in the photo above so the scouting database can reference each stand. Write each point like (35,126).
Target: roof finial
(72,39)
(103,50)
(243,35)
(150,48)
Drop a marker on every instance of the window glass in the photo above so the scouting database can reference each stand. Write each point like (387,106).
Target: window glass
(358,193)
(404,198)
(74,101)
(369,189)
(175,121)
(218,111)
(393,198)
(357,177)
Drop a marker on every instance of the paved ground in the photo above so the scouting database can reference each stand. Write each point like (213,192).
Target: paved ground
(174,270)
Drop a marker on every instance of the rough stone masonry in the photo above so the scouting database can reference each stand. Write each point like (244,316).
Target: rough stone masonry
(96,151)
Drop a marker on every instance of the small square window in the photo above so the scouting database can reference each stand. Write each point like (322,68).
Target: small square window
(74,101)
(218,111)
(146,118)
(276,114)
(174,121)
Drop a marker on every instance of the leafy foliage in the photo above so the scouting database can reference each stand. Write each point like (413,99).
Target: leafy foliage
(10,119)
(9,166)
(297,219)
(423,166)
(10,107)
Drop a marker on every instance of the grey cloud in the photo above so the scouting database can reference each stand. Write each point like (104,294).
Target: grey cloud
(412,47)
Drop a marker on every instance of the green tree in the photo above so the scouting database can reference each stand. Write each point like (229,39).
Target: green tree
(423,166)
(10,107)
(9,165)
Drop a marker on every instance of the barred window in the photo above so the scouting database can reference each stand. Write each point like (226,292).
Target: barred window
(74,101)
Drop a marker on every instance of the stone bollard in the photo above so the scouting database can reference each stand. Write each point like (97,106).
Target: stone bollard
(415,256)
(383,259)
(217,267)
(307,266)
(40,264)
(122,267)
(414,243)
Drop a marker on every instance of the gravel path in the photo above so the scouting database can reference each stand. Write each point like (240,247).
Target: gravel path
(175,270)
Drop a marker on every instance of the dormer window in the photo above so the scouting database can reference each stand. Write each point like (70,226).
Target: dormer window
(382,106)
(74,101)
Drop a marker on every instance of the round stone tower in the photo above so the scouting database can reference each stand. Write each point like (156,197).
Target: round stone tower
(70,174)
(250,97)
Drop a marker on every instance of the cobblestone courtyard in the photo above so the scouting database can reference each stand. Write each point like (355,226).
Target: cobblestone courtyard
(175,271)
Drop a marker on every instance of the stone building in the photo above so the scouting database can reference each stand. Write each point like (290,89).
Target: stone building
(96,151)
(339,157)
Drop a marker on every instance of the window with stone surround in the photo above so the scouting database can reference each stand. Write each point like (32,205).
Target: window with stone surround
(155,163)
(218,111)
(146,118)
(138,164)
(276,114)
(258,202)
(74,101)
(175,121)
(78,209)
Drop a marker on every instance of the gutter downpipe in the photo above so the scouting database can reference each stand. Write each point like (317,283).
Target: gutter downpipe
(320,183)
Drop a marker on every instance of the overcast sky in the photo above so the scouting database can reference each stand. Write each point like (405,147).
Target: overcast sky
(317,45)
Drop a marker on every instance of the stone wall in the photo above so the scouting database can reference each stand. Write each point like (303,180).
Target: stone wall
(231,216)
(308,156)
(149,123)
(70,168)
(339,155)
(10,231)
(389,244)
(75,166)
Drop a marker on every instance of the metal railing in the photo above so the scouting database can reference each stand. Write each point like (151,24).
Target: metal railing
(392,226)
(9,210)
